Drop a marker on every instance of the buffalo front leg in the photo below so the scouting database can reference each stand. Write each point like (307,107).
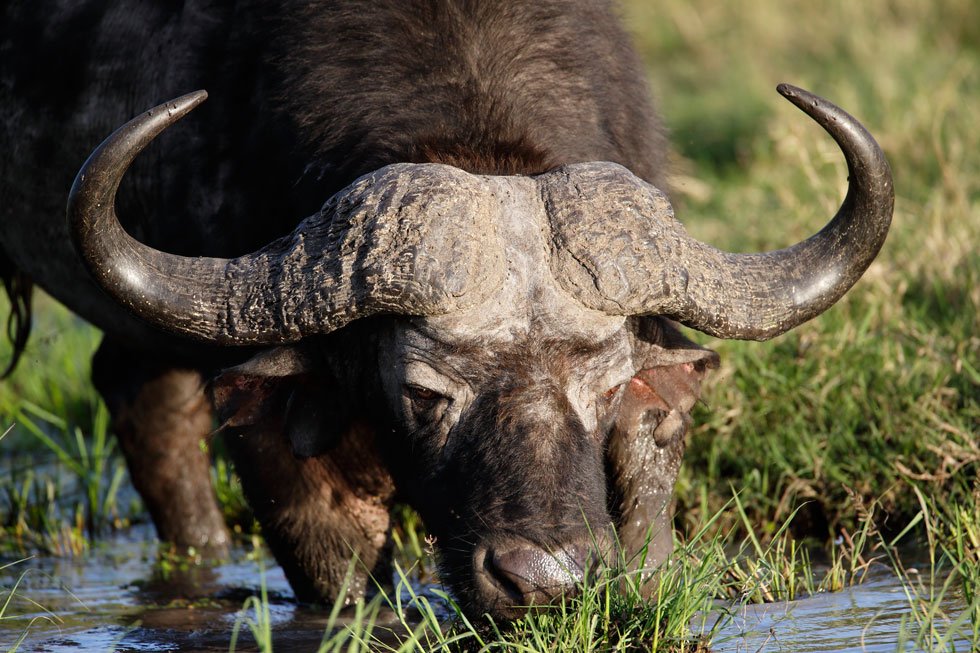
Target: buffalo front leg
(322,516)
(162,417)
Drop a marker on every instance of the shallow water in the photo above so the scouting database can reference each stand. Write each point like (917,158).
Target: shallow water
(866,617)
(116,597)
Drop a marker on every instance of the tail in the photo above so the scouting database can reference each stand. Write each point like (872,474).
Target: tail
(18,287)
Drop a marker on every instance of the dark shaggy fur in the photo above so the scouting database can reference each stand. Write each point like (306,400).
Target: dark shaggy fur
(543,83)
(304,98)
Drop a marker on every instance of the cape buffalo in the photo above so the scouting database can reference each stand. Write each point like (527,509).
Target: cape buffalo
(478,321)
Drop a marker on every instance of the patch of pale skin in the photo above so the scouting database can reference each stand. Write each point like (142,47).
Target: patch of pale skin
(529,300)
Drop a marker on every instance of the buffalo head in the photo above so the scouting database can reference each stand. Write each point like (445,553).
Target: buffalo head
(529,389)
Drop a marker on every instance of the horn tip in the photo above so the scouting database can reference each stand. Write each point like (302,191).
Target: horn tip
(798,96)
(786,90)
(180,107)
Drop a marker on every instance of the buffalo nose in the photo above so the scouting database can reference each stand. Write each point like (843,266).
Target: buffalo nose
(534,576)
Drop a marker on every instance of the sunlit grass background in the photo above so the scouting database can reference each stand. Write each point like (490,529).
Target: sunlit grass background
(885,386)
(877,402)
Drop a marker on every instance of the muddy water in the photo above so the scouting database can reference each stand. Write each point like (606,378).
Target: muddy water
(116,597)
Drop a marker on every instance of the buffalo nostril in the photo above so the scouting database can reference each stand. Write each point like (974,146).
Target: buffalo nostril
(532,575)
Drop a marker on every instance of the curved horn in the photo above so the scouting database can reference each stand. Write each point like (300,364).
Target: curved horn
(654,267)
(373,248)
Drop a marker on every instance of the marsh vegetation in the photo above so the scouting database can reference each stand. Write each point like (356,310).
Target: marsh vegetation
(842,451)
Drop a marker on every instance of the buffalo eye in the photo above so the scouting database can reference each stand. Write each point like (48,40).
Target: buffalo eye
(422,395)
(425,401)
(613,391)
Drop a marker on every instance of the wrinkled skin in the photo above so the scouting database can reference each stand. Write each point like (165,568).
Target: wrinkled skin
(529,413)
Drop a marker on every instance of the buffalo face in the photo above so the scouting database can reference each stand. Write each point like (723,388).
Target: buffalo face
(502,443)
(525,377)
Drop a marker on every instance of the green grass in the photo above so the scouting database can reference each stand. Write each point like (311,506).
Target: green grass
(55,502)
(862,425)
(885,386)
(703,585)
(609,614)
(953,532)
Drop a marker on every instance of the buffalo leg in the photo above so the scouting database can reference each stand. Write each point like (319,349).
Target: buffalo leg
(318,514)
(161,416)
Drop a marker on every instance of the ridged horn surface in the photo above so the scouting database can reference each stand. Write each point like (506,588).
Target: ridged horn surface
(388,243)
(618,248)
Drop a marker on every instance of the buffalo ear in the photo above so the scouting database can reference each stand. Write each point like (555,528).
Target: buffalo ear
(646,442)
(660,396)
(314,418)
(245,394)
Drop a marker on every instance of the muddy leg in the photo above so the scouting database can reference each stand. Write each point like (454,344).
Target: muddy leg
(161,415)
(318,513)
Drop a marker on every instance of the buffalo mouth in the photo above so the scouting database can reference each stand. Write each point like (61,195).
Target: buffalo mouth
(511,574)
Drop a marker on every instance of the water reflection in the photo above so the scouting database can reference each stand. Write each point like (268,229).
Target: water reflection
(120,596)
(117,596)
